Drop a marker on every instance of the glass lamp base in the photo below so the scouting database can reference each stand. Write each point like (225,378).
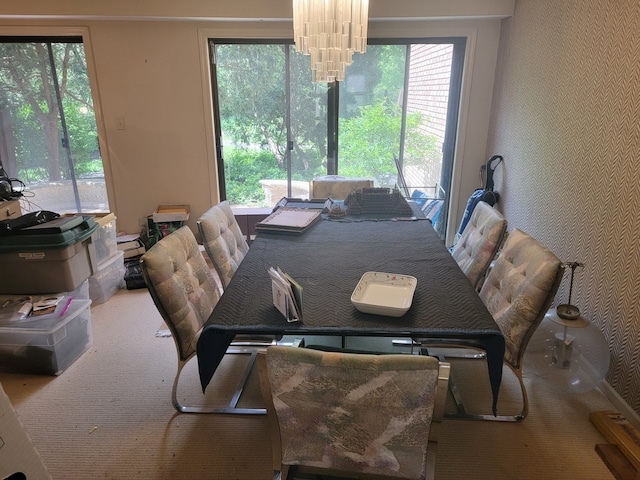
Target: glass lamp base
(573,360)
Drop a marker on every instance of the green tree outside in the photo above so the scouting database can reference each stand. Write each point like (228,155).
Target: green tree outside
(251,81)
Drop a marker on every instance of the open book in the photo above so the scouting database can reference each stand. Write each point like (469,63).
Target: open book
(287,295)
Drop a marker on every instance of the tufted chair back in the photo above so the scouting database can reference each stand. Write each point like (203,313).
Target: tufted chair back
(223,240)
(479,242)
(519,290)
(182,287)
(357,413)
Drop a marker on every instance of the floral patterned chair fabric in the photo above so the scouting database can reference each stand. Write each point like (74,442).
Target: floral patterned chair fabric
(519,290)
(182,287)
(336,412)
(223,241)
(184,291)
(479,242)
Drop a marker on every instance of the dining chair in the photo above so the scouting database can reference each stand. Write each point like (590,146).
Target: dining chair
(343,415)
(223,240)
(336,187)
(479,242)
(185,293)
(518,291)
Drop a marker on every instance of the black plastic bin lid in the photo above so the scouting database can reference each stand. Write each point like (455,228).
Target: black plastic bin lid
(84,227)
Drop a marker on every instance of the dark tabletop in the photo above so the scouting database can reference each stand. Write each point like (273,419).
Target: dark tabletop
(328,261)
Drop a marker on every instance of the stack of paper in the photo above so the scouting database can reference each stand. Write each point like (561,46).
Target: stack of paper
(46,305)
(287,295)
(131,245)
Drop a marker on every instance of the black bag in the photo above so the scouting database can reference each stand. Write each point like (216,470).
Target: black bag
(485,194)
(133,276)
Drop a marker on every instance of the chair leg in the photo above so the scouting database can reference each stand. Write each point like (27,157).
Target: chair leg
(236,348)
(232,408)
(462,413)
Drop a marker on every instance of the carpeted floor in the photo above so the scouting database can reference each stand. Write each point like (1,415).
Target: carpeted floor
(109,416)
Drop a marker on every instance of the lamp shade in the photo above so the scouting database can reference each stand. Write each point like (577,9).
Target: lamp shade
(572,355)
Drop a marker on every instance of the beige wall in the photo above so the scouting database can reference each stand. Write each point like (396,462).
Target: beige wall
(150,72)
(255,9)
(566,118)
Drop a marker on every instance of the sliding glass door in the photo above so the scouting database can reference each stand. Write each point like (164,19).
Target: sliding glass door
(392,119)
(48,134)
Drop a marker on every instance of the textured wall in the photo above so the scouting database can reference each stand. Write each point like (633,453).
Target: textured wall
(566,117)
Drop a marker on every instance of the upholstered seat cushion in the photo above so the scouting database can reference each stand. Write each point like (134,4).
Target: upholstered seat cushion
(184,284)
(223,240)
(357,413)
(517,288)
(479,242)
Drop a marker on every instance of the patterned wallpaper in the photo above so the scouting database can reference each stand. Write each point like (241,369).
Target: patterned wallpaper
(566,118)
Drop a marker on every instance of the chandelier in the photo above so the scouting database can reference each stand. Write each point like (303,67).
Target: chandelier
(330,31)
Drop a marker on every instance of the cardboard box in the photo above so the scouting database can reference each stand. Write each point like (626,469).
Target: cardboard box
(336,187)
(171,213)
(10,209)
(17,453)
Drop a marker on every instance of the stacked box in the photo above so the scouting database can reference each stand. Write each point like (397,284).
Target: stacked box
(49,344)
(48,262)
(81,292)
(165,220)
(108,279)
(105,238)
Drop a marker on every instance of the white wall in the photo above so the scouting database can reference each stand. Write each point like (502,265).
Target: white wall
(152,74)
(253,9)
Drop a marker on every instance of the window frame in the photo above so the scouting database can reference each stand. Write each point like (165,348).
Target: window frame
(26,32)
(459,44)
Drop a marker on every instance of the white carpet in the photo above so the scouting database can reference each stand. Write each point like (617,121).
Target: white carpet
(109,416)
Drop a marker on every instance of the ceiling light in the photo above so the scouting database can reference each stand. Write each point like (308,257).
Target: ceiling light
(330,31)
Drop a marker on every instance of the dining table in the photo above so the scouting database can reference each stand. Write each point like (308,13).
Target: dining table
(327,261)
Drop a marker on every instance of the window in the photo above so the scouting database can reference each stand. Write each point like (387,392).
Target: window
(48,134)
(393,119)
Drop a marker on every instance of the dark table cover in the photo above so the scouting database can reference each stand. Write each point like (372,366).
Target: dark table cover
(328,261)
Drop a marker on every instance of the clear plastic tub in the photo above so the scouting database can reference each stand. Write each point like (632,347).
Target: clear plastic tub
(49,344)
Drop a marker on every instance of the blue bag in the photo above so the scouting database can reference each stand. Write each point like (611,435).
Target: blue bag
(485,194)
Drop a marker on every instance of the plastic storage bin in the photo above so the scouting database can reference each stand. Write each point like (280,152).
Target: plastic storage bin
(105,238)
(108,279)
(46,345)
(33,263)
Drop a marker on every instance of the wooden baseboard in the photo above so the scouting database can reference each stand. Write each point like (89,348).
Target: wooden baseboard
(619,403)
(619,431)
(614,459)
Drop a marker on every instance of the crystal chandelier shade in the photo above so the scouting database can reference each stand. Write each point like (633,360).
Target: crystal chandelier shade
(330,31)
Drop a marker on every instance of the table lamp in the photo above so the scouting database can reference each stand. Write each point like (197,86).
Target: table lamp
(566,350)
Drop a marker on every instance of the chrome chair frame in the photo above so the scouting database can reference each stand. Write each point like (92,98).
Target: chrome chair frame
(241,346)
(515,367)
